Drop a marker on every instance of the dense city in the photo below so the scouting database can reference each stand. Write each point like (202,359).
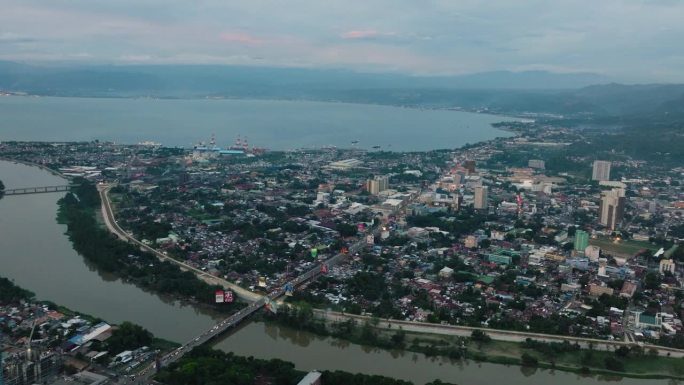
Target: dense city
(505,235)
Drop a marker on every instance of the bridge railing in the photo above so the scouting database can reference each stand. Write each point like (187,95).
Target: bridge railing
(37,190)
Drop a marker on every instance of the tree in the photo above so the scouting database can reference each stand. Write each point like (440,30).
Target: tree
(480,336)
(528,360)
(128,337)
(614,364)
(651,280)
(622,351)
(398,338)
(346,229)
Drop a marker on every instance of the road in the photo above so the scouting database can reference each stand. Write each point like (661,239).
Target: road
(144,376)
(113,226)
(495,334)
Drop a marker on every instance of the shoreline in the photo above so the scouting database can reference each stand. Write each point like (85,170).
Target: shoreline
(477,355)
(31,164)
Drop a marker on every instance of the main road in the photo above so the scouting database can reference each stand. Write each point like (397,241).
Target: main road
(144,376)
(113,226)
(495,334)
(259,301)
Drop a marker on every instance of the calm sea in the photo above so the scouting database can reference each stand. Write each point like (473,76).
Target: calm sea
(271,124)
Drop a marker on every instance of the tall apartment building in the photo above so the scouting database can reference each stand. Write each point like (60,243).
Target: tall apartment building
(601,170)
(480,198)
(612,208)
(581,240)
(377,184)
(666,265)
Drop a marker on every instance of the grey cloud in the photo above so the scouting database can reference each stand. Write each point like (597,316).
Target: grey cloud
(630,39)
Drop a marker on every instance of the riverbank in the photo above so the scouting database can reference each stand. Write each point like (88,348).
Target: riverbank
(527,350)
(65,340)
(40,166)
(123,259)
(111,224)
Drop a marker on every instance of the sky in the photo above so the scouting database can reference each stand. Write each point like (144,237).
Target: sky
(631,40)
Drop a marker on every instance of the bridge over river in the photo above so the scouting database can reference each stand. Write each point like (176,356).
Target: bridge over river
(256,301)
(144,376)
(37,190)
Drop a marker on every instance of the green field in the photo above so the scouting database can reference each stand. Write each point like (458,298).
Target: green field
(625,248)
(644,364)
(509,353)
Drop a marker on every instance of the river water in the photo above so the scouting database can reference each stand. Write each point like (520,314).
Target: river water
(36,254)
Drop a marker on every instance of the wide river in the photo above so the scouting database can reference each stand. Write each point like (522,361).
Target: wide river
(279,125)
(36,254)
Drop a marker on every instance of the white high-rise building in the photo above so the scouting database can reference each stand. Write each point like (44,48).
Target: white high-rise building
(601,170)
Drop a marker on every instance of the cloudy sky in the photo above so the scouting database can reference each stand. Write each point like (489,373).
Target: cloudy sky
(630,40)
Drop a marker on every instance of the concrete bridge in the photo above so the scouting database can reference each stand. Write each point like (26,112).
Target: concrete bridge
(144,376)
(37,190)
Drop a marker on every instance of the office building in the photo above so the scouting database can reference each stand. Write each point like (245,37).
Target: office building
(480,198)
(581,240)
(536,163)
(612,208)
(377,184)
(601,170)
(667,265)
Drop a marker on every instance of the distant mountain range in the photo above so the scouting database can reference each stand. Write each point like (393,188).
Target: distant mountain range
(502,91)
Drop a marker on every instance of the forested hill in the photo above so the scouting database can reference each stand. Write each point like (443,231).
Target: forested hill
(583,95)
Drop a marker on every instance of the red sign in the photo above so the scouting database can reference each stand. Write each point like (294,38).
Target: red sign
(228,296)
(324,269)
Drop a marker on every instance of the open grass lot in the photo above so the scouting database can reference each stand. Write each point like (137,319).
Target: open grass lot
(641,365)
(510,353)
(626,248)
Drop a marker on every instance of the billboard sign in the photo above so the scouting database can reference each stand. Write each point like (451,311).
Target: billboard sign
(324,268)
(228,296)
(262,281)
(219,296)
(289,289)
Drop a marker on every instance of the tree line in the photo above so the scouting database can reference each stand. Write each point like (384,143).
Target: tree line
(205,366)
(11,293)
(115,256)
